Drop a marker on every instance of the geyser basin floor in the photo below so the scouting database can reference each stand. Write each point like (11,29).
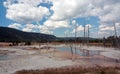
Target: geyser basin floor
(42,59)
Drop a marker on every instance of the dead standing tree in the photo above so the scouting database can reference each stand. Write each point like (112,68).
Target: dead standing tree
(66,37)
(84,35)
(88,36)
(116,38)
(75,36)
(66,33)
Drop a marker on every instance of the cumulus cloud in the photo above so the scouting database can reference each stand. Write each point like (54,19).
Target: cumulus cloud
(74,22)
(27,11)
(24,12)
(49,26)
(68,9)
(103,34)
(36,28)
(15,25)
(106,11)
(56,24)
(34,2)
(81,28)
(30,28)
(106,28)
(46,30)
(112,15)
(30,2)
(109,29)
(7,3)
(83,8)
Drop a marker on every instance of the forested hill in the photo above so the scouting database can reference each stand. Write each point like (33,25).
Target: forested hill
(10,34)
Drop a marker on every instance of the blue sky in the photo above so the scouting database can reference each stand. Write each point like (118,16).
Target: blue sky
(2,15)
(56,17)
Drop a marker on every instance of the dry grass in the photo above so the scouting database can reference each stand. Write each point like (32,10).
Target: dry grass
(73,70)
(4,44)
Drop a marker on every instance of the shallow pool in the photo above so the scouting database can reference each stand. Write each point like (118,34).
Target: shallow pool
(7,57)
(81,52)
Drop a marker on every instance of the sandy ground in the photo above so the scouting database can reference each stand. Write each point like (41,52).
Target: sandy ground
(31,57)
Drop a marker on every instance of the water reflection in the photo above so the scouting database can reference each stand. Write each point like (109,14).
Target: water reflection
(93,54)
(81,52)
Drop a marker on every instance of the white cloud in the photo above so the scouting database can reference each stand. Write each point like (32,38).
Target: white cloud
(103,34)
(88,25)
(30,28)
(106,11)
(46,30)
(74,22)
(49,26)
(56,24)
(30,2)
(7,3)
(25,11)
(69,9)
(78,29)
(15,25)
(27,30)
(78,8)
(82,8)
(106,28)
(34,2)
(112,16)
(81,28)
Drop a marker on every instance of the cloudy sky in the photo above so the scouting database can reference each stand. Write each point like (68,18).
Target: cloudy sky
(60,17)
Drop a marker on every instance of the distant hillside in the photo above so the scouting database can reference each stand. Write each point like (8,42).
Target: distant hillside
(72,39)
(10,34)
(76,38)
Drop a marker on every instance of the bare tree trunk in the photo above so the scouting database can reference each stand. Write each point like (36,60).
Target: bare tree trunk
(75,36)
(66,38)
(84,35)
(116,40)
(103,42)
(71,48)
(88,37)
(39,45)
